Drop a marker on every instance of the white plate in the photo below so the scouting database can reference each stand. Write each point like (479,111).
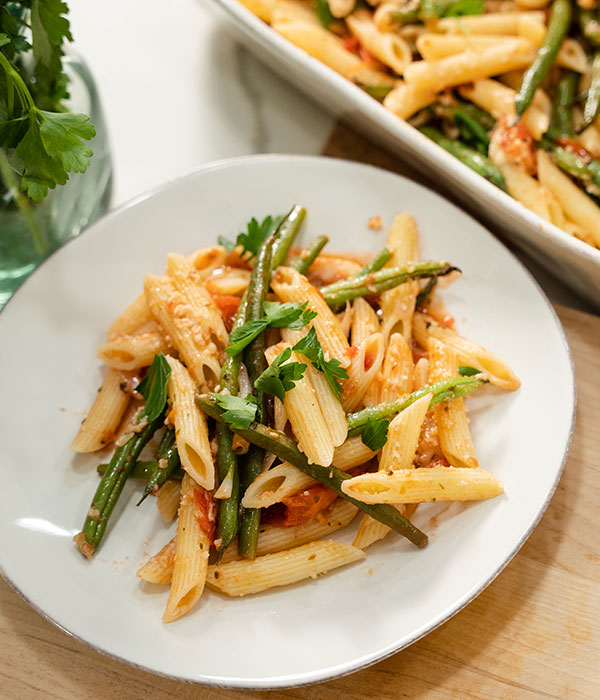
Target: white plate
(315,630)
(575,263)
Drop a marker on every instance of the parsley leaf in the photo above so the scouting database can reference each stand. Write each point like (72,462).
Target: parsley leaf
(279,377)
(277,315)
(252,238)
(323,12)
(153,387)
(465,7)
(466,371)
(375,434)
(289,315)
(239,413)
(311,348)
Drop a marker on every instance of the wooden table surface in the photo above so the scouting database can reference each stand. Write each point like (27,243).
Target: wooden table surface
(533,633)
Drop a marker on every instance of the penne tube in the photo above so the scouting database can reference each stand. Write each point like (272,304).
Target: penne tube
(344,319)
(451,418)
(135,315)
(366,361)
(239,578)
(304,414)
(430,484)
(434,47)
(100,425)
(510,23)
(276,539)
(131,352)
(469,353)
(470,65)
(420,374)
(299,24)
(206,260)
(403,437)
(352,453)
(389,48)
(396,376)
(398,304)
(364,321)
(191,556)
(274,485)
(159,568)
(499,101)
(261,8)
(575,203)
(328,269)
(405,100)
(188,315)
(331,408)
(191,431)
(290,286)
(233,282)
(168,497)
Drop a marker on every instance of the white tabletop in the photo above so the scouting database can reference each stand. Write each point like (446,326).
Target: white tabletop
(178,92)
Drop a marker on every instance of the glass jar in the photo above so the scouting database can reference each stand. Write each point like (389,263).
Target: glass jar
(67,209)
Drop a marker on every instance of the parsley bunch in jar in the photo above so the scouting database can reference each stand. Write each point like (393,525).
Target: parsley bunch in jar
(42,142)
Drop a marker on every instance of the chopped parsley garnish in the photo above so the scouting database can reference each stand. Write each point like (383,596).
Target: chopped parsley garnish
(239,413)
(279,377)
(375,434)
(277,315)
(253,237)
(466,371)
(153,387)
(311,348)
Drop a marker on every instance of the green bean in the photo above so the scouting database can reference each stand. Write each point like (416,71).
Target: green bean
(473,159)
(303,262)
(425,292)
(375,263)
(558,27)
(286,232)
(286,449)
(166,451)
(591,107)
(476,113)
(227,461)
(444,390)
(339,293)
(586,171)
(144,469)
(111,486)
(561,125)
(256,364)
(590,26)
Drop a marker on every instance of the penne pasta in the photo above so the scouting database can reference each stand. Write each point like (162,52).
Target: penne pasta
(191,556)
(366,361)
(131,352)
(403,436)
(239,578)
(191,431)
(423,485)
(135,315)
(159,568)
(168,497)
(98,428)
(390,49)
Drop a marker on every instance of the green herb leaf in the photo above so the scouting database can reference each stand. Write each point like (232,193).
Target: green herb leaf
(461,8)
(51,148)
(279,377)
(244,335)
(289,315)
(277,315)
(153,387)
(375,434)
(253,237)
(323,12)
(466,371)
(239,413)
(311,348)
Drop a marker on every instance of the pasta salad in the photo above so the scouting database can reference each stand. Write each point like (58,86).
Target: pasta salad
(266,395)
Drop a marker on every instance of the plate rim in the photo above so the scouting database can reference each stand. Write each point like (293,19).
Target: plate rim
(347,668)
